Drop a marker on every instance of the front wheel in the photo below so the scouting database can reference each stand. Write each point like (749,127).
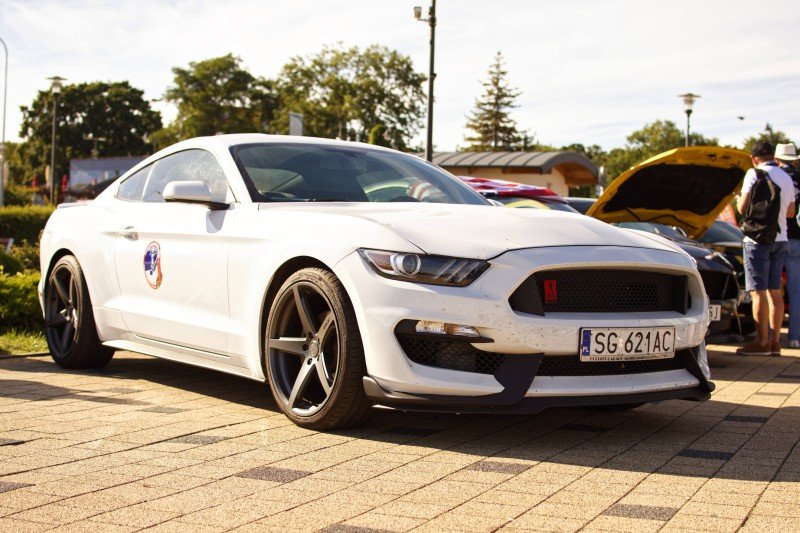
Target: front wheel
(313,353)
(68,319)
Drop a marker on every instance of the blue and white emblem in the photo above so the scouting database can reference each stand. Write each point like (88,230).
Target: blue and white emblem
(152,265)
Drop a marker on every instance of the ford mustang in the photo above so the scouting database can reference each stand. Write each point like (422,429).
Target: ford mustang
(348,276)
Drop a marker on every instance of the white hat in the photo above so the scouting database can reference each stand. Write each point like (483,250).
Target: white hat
(786,152)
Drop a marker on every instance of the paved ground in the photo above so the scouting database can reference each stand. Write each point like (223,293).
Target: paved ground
(148,443)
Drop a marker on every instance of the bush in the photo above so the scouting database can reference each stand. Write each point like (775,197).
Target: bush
(23,222)
(27,254)
(19,303)
(15,195)
(9,264)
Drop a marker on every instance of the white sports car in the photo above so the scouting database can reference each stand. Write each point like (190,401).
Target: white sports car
(348,276)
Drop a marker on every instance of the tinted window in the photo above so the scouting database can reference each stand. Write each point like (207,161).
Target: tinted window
(308,172)
(189,165)
(131,188)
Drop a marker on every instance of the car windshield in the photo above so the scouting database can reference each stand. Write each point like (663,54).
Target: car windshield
(521,201)
(293,172)
(650,227)
(722,232)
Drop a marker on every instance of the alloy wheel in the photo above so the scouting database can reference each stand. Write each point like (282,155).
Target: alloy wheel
(303,349)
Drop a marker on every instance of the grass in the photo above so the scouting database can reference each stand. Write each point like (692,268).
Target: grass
(20,341)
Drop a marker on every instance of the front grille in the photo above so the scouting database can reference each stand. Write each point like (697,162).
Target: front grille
(450,355)
(572,365)
(719,285)
(602,291)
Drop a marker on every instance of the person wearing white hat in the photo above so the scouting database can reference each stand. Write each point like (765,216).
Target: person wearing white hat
(786,156)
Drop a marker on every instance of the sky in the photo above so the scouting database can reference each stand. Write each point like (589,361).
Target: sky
(590,71)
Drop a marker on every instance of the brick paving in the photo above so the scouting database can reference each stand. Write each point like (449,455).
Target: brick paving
(150,444)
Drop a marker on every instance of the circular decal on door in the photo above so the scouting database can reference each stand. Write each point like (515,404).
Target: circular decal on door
(152,265)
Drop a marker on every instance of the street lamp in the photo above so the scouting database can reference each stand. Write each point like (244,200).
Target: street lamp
(431,20)
(3,142)
(688,101)
(55,88)
(95,140)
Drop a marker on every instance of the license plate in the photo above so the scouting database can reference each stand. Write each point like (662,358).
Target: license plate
(714,312)
(626,344)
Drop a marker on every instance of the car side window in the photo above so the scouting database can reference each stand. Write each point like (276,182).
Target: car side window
(131,188)
(188,165)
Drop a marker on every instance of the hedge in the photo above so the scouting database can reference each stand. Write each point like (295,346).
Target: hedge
(23,222)
(8,263)
(19,304)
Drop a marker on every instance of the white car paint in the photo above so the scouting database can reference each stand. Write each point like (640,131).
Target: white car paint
(218,265)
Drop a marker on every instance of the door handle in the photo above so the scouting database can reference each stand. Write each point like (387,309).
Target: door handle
(129,232)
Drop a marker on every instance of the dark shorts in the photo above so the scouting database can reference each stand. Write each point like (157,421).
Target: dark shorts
(763,265)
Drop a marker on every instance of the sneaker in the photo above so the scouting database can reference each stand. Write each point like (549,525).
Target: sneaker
(794,344)
(755,348)
(775,347)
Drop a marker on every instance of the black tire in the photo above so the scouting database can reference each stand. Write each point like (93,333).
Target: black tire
(313,353)
(69,321)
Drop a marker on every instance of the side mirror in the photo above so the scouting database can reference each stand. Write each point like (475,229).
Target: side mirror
(191,192)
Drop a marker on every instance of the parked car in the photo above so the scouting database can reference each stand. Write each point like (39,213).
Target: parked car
(265,257)
(679,194)
(518,194)
(581,205)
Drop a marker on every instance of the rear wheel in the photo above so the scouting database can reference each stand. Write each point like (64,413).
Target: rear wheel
(313,353)
(69,322)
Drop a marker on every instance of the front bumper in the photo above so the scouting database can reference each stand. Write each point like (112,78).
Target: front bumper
(522,394)
(381,304)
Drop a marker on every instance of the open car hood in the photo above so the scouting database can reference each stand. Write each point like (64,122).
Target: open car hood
(685,187)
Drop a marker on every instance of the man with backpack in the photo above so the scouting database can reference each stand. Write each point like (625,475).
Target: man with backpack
(767,201)
(786,156)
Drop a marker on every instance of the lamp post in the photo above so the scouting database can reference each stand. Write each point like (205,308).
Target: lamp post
(95,140)
(688,101)
(431,20)
(55,88)
(3,142)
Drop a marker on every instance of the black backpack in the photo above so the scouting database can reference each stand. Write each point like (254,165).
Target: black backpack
(760,219)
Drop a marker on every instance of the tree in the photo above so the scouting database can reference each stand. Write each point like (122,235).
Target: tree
(115,111)
(491,122)
(215,96)
(345,92)
(769,135)
(652,139)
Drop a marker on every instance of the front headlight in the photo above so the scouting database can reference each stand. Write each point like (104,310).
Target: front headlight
(421,268)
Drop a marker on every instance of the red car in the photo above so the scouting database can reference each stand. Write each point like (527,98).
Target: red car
(517,194)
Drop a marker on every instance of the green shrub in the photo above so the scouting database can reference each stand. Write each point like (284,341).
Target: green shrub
(27,254)
(19,303)
(23,222)
(9,264)
(16,195)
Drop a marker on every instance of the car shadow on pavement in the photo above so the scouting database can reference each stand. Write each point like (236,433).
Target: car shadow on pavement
(748,431)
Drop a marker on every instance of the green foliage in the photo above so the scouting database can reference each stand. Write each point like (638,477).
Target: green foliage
(16,195)
(115,111)
(652,139)
(27,254)
(15,341)
(378,136)
(19,304)
(9,264)
(23,222)
(770,135)
(491,122)
(345,92)
(215,96)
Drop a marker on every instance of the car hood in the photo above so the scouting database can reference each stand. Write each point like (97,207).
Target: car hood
(685,187)
(479,232)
